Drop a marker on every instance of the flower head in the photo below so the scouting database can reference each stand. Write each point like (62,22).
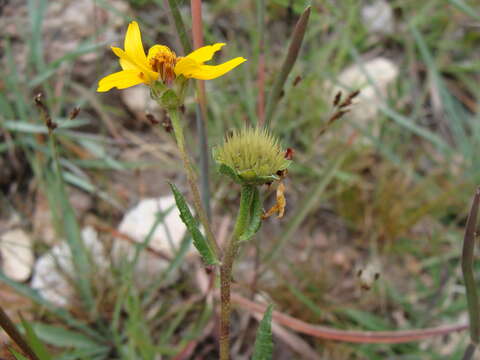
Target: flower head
(161,63)
(251,156)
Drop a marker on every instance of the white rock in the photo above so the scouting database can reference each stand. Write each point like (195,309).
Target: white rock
(54,268)
(169,233)
(16,254)
(139,101)
(381,72)
(378,17)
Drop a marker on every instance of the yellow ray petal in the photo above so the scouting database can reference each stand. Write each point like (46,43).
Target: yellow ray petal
(128,63)
(207,72)
(186,66)
(120,80)
(125,62)
(205,53)
(133,44)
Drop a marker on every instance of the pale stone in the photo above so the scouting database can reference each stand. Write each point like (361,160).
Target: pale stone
(378,17)
(168,235)
(372,79)
(16,254)
(54,268)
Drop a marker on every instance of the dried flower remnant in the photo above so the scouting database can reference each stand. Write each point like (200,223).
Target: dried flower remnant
(161,64)
(279,207)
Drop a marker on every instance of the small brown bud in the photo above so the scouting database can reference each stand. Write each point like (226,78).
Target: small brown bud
(74,113)
(152,119)
(297,80)
(337,99)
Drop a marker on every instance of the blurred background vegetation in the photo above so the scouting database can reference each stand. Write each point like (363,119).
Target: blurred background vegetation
(385,190)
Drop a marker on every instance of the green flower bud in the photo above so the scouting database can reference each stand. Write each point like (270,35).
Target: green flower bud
(251,156)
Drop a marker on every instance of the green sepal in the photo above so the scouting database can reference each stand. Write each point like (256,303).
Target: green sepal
(227,170)
(252,179)
(157,89)
(170,100)
(256,211)
(199,241)
(263,349)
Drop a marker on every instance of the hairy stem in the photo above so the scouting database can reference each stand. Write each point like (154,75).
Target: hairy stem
(191,177)
(229,256)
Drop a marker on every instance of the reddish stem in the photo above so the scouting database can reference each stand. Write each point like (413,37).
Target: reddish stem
(365,337)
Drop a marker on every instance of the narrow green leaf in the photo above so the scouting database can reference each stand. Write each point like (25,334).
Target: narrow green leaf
(179,25)
(199,240)
(65,217)
(32,294)
(255,217)
(61,337)
(17,355)
(33,340)
(467,9)
(290,59)
(263,340)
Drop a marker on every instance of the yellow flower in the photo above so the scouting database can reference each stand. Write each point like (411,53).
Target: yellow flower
(161,63)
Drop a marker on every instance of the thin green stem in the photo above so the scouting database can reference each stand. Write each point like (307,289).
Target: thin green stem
(180,26)
(229,256)
(201,111)
(191,177)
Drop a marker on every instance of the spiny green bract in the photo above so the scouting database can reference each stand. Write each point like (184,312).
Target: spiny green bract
(252,152)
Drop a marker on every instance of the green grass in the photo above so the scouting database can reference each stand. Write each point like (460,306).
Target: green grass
(399,195)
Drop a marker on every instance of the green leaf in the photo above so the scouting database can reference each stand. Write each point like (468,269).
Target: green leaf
(179,24)
(288,62)
(203,247)
(37,346)
(263,341)
(65,218)
(255,217)
(61,337)
(17,355)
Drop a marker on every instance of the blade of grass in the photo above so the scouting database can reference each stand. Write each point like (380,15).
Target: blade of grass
(292,54)
(65,213)
(37,345)
(7,324)
(468,257)
(312,198)
(179,25)
(35,297)
(261,62)
(467,9)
